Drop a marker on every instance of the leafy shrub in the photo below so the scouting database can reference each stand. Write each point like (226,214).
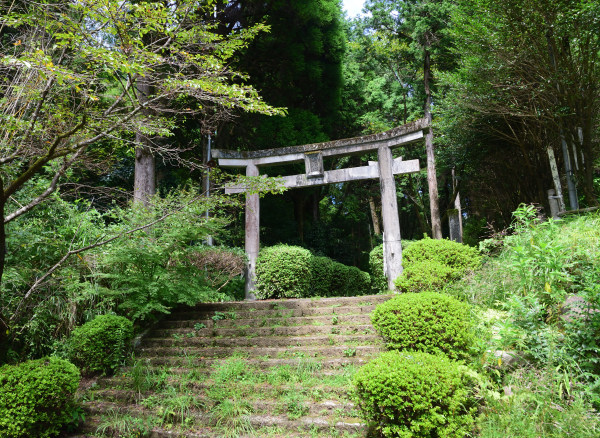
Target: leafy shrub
(414,394)
(283,271)
(378,278)
(428,321)
(221,267)
(358,282)
(339,279)
(425,275)
(379,282)
(334,279)
(459,257)
(322,271)
(101,345)
(433,263)
(37,397)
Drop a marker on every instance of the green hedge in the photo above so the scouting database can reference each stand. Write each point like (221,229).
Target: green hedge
(434,263)
(101,345)
(413,394)
(429,322)
(378,280)
(425,275)
(283,271)
(37,397)
(334,279)
(358,282)
(322,269)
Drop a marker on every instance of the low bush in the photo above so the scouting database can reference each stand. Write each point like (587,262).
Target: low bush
(461,258)
(431,264)
(358,282)
(37,397)
(222,268)
(283,271)
(101,345)
(428,322)
(425,275)
(413,394)
(339,279)
(378,280)
(321,279)
(334,279)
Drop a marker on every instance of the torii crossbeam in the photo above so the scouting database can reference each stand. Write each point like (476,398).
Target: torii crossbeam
(312,155)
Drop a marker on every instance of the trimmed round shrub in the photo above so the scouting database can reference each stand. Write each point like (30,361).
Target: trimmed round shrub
(425,275)
(413,394)
(461,258)
(429,322)
(334,279)
(101,345)
(37,397)
(357,282)
(379,282)
(431,264)
(339,280)
(322,270)
(283,271)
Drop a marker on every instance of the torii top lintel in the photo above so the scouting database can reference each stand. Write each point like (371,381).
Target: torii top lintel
(400,135)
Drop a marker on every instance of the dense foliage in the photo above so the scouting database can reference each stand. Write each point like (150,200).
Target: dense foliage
(430,322)
(537,301)
(378,280)
(415,394)
(37,397)
(284,271)
(143,272)
(101,345)
(431,264)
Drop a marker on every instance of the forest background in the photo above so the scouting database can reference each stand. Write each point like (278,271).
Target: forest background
(104,147)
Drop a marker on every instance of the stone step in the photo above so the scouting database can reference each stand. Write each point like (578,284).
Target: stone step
(301,303)
(296,361)
(337,398)
(186,365)
(200,420)
(280,313)
(248,330)
(293,321)
(263,341)
(198,353)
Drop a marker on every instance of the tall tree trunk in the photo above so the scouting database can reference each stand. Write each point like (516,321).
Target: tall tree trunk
(588,164)
(3,324)
(374,217)
(144,185)
(436,223)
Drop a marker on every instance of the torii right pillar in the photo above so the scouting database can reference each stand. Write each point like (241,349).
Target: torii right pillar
(392,245)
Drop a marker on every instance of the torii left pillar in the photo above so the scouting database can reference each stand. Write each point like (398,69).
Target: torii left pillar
(252,241)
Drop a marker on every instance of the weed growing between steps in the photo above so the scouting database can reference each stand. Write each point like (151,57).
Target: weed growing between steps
(223,395)
(196,375)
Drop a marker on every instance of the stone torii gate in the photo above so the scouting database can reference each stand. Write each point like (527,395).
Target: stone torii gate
(312,155)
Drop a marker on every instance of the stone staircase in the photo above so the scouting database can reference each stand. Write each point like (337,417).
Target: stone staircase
(279,368)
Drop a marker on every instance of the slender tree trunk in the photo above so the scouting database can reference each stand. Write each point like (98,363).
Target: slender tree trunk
(436,223)
(588,164)
(3,324)
(374,217)
(144,185)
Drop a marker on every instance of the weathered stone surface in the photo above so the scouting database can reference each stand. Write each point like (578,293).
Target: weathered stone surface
(576,307)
